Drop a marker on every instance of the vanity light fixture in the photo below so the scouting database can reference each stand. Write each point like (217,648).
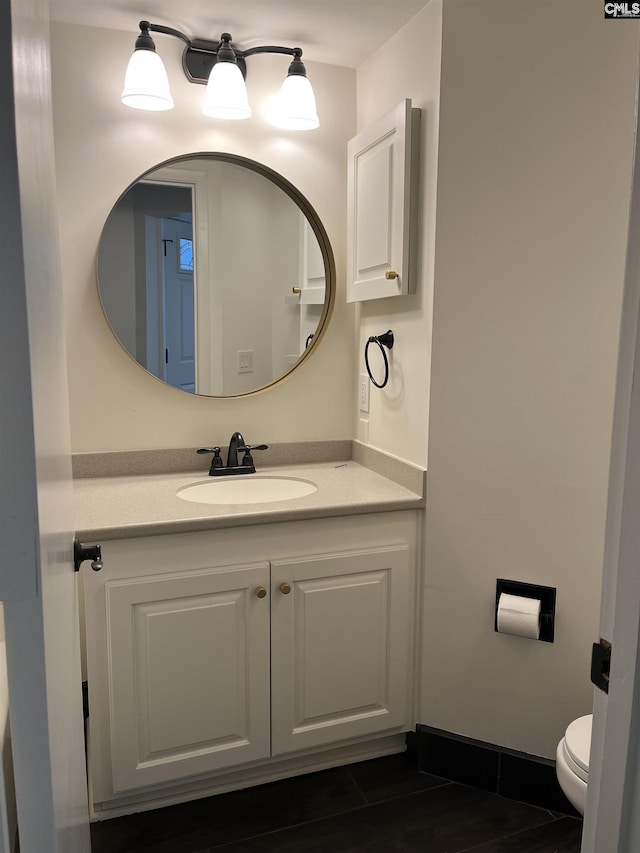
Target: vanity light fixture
(223,68)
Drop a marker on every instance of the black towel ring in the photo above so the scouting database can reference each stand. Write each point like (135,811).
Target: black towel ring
(385,340)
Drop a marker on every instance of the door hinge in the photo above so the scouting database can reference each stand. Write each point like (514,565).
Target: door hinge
(85,699)
(601,664)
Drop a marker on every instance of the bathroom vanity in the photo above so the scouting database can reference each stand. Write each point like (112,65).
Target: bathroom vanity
(228,645)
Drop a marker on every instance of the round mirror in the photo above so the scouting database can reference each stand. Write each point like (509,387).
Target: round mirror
(215,274)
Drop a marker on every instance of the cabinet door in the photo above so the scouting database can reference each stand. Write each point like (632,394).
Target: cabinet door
(341,647)
(312,271)
(381,206)
(188,661)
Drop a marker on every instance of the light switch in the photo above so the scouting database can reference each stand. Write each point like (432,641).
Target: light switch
(363,392)
(245,361)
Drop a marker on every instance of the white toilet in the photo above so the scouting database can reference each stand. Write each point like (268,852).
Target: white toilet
(572,761)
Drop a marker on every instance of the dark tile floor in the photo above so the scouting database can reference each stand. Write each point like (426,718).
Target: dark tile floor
(379,806)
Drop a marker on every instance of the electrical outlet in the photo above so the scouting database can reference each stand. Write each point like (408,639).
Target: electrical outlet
(363,392)
(245,361)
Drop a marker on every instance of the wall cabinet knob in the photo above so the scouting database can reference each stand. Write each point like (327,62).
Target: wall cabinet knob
(390,275)
(261,592)
(285,589)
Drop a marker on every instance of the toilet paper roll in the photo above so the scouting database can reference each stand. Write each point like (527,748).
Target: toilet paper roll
(518,615)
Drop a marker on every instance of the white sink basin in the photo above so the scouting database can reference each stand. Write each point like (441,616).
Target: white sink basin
(247,489)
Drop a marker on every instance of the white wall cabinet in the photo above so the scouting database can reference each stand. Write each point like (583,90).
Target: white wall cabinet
(202,658)
(381,206)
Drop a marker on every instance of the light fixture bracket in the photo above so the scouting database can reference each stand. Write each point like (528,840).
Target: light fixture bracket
(200,55)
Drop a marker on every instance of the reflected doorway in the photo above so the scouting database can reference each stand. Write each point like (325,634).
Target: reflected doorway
(178,304)
(165,287)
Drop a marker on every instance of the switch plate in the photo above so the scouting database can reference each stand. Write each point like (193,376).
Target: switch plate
(363,392)
(245,361)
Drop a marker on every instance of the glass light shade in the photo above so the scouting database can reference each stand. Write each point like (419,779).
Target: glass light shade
(146,85)
(295,105)
(226,95)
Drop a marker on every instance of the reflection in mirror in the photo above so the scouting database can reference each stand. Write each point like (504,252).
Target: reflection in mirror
(215,274)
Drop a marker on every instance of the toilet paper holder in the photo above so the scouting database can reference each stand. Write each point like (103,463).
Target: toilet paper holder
(546,595)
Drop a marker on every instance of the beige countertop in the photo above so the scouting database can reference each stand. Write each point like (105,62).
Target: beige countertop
(145,505)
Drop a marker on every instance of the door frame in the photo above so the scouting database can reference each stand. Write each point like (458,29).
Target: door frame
(208,320)
(612,818)
(37,581)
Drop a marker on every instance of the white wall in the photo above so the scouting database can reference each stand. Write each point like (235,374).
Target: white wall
(406,66)
(532,156)
(536,134)
(101,147)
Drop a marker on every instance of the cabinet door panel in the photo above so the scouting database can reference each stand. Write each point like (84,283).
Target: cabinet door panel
(341,620)
(374,200)
(179,673)
(189,674)
(341,647)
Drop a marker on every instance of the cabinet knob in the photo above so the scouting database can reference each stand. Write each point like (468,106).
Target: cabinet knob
(296,290)
(285,589)
(261,592)
(390,275)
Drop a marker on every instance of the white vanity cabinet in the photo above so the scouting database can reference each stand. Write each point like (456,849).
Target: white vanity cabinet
(216,651)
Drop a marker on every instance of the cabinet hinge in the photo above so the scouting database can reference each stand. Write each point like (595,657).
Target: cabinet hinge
(601,664)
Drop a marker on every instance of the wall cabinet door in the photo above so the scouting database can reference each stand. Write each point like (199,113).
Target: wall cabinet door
(341,647)
(188,663)
(381,206)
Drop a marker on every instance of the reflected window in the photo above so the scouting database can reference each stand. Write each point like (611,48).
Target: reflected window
(185,258)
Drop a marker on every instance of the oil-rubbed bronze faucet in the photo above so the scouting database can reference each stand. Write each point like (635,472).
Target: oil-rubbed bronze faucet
(237,441)
(236,445)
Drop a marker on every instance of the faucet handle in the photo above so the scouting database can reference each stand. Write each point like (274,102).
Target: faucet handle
(247,459)
(216,462)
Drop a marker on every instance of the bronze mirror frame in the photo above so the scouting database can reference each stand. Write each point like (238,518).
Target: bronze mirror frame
(313,220)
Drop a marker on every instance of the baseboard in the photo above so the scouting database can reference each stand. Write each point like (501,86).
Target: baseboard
(233,780)
(510,774)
